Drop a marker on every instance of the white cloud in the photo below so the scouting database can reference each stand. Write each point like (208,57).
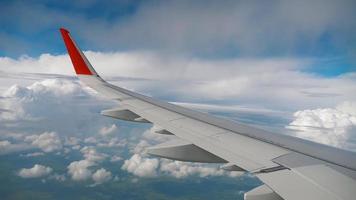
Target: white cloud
(112,142)
(142,166)
(270,84)
(71,141)
(34,154)
(183,169)
(58,177)
(53,105)
(7,147)
(91,154)
(115,158)
(101,176)
(35,172)
(91,140)
(139,166)
(332,126)
(48,141)
(79,170)
(106,131)
(4,144)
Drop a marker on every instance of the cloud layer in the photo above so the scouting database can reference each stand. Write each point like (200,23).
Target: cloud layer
(220,29)
(274,83)
(41,100)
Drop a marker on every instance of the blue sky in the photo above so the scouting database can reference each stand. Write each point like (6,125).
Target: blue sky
(323,31)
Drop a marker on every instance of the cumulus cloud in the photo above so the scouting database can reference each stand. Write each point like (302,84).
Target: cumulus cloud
(113,142)
(332,126)
(78,170)
(139,166)
(35,172)
(106,131)
(101,176)
(53,105)
(48,141)
(115,158)
(8,147)
(183,169)
(58,177)
(91,154)
(81,170)
(91,140)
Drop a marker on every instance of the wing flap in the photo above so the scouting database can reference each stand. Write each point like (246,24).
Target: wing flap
(262,192)
(182,150)
(324,175)
(292,186)
(123,114)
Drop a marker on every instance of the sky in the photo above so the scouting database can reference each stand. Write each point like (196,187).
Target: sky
(285,66)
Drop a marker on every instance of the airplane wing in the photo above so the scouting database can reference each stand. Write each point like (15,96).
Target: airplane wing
(289,167)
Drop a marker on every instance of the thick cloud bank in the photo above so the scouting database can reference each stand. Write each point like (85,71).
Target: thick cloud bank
(52,107)
(270,83)
(332,126)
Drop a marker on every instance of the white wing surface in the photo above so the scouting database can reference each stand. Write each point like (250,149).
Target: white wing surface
(291,168)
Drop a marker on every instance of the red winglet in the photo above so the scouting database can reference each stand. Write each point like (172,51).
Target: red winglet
(80,63)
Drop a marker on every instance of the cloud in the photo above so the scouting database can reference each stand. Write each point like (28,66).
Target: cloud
(139,166)
(92,155)
(56,105)
(7,147)
(106,131)
(182,26)
(48,141)
(35,172)
(182,169)
(261,84)
(78,170)
(58,177)
(34,154)
(101,176)
(71,141)
(332,126)
(115,158)
(113,142)
(91,140)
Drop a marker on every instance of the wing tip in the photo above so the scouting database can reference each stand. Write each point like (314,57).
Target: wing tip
(63,30)
(80,63)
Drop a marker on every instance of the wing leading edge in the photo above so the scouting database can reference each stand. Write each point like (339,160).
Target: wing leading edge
(291,168)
